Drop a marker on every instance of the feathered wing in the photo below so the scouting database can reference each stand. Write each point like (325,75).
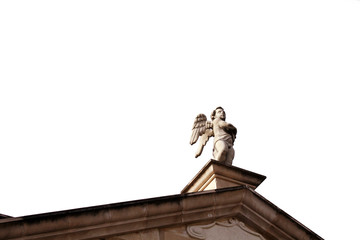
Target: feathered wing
(203,140)
(199,129)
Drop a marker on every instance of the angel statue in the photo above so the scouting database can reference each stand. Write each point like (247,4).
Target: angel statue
(224,135)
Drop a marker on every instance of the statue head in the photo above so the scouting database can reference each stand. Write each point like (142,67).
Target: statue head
(219,112)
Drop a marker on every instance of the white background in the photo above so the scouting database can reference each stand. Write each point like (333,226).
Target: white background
(97,101)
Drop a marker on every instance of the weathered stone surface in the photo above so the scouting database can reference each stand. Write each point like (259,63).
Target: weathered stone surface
(171,217)
(103,222)
(231,229)
(175,233)
(152,234)
(215,175)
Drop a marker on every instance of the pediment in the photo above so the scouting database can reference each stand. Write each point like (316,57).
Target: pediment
(226,229)
(179,217)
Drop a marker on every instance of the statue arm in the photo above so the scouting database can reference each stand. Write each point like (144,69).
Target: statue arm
(223,124)
(228,127)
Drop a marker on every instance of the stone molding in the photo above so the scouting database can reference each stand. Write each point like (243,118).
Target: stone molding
(116,219)
(200,231)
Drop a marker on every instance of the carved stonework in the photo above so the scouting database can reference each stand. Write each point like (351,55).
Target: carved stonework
(231,229)
(224,135)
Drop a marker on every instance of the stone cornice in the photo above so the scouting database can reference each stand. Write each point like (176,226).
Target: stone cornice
(115,219)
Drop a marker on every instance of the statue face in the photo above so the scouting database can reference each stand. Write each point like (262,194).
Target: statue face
(219,113)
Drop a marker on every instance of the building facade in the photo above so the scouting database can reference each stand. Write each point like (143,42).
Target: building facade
(219,203)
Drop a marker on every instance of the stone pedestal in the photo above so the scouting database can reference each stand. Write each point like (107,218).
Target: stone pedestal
(215,175)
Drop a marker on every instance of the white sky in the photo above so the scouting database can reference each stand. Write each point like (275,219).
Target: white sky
(97,101)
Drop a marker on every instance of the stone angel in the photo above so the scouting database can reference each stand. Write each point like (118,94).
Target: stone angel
(224,135)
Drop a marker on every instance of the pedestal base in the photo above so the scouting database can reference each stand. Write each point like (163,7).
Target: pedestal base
(215,175)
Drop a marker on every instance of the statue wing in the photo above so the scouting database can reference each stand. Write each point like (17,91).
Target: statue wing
(200,129)
(203,140)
